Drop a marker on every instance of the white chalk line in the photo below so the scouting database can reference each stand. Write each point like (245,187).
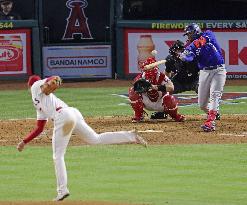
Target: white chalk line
(148,131)
(244,134)
(112,116)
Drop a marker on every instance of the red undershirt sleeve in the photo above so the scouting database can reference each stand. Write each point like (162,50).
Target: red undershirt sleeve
(38,129)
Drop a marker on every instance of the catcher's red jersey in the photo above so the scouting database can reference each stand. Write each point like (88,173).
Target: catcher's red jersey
(153,100)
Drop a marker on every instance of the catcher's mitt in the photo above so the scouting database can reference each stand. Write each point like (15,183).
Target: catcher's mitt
(142,86)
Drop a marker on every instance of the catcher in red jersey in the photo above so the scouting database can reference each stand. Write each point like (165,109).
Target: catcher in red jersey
(156,97)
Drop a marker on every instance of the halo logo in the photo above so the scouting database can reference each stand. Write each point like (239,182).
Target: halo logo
(77,21)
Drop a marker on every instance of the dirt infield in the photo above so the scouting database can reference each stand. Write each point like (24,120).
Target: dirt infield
(231,129)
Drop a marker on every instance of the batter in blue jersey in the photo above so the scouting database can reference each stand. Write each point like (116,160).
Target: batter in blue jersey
(205,49)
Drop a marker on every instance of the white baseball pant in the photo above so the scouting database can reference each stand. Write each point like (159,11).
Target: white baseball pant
(68,120)
(153,106)
(211,85)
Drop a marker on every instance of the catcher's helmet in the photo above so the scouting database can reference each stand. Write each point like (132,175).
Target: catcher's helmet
(177,45)
(193,31)
(147,62)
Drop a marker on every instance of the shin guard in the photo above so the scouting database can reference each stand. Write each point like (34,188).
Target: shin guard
(136,104)
(170,107)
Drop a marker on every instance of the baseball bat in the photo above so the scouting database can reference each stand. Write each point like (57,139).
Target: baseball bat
(152,65)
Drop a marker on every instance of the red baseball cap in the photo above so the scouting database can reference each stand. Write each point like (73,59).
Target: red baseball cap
(32,79)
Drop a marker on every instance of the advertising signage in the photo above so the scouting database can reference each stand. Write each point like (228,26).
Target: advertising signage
(232,41)
(15,52)
(78,61)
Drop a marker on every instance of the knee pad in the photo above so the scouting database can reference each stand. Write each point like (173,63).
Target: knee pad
(169,102)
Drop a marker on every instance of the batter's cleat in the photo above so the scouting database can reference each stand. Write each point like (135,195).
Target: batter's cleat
(61,197)
(208,126)
(137,119)
(158,116)
(217,117)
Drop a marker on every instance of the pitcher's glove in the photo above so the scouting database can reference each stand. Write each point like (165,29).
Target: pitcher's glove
(142,86)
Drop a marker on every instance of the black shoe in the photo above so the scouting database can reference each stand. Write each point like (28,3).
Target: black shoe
(217,117)
(158,116)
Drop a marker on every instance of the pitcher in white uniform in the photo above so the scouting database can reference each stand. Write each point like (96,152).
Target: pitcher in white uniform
(66,120)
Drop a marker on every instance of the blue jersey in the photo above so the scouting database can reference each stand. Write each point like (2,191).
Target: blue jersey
(205,50)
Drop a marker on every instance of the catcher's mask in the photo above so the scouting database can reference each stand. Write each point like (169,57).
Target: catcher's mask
(147,62)
(150,74)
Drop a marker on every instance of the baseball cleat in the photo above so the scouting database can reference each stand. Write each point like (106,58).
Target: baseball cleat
(61,197)
(137,119)
(139,139)
(158,116)
(217,117)
(208,126)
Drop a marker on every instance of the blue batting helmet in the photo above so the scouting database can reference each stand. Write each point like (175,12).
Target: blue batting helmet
(193,31)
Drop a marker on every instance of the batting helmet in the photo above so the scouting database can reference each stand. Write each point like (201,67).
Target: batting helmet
(32,79)
(192,30)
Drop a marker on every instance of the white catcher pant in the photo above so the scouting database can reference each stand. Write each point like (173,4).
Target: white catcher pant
(153,106)
(211,85)
(68,120)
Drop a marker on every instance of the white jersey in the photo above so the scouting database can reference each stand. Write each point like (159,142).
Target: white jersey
(66,121)
(46,105)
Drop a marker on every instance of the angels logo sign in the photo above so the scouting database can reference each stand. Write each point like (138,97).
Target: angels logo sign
(77,21)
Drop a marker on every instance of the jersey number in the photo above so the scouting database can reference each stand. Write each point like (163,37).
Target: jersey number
(36,102)
(200,42)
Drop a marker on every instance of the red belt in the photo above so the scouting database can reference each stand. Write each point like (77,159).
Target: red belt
(58,108)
